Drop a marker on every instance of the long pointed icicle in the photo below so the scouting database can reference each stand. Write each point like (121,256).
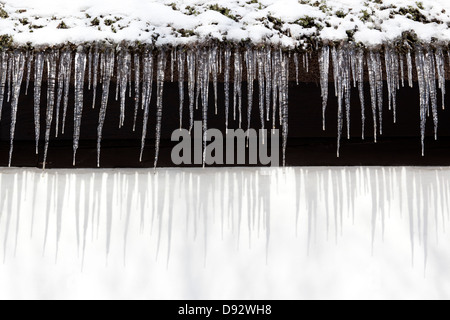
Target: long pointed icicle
(324,66)
(137,85)
(284,101)
(38,71)
(146,94)
(250,64)
(95,64)
(17,69)
(51,59)
(261,85)
(440,66)
(124,66)
(237,93)
(108,58)
(161,67)
(268,75)
(181,60)
(204,84)
(67,76)
(373,91)
(191,86)
(63,65)
(30,57)
(3,73)
(80,69)
(360,79)
(226,84)
(423,88)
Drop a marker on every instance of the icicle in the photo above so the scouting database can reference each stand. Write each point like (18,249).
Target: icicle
(147,86)
(137,83)
(123,68)
(430,69)
(38,71)
(379,77)
(95,63)
(440,66)
(108,59)
(191,86)
(64,63)
(402,69)
(17,69)
(250,64)
(307,62)
(51,59)
(67,75)
(423,88)
(3,73)
(360,79)
(172,64)
(268,74)
(181,59)
(296,66)
(276,61)
(90,56)
(410,68)
(214,71)
(160,76)
(237,92)
(341,68)
(30,57)
(204,85)
(260,63)
(227,84)
(284,106)
(324,66)
(9,79)
(80,68)
(371,66)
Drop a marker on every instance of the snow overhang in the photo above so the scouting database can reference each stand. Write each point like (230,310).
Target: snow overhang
(291,24)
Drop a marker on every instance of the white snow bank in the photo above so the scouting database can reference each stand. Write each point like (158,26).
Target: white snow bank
(284,22)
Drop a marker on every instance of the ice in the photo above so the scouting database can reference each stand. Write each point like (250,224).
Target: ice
(107,58)
(227,66)
(51,59)
(360,80)
(191,65)
(95,66)
(38,72)
(30,57)
(160,77)
(67,75)
(137,86)
(440,66)
(80,68)
(372,70)
(237,92)
(4,71)
(214,66)
(324,65)
(147,86)
(17,62)
(202,68)
(181,61)
(261,85)
(123,74)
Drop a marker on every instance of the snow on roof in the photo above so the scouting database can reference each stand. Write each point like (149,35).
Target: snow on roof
(287,23)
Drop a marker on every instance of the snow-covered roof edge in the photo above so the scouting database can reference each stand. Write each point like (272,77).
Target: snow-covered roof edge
(289,24)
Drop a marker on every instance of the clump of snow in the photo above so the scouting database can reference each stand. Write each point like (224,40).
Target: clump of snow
(280,22)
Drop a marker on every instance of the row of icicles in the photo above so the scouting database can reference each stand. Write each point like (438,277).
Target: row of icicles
(268,67)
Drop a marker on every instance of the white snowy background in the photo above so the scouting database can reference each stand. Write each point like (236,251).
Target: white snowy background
(225,234)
